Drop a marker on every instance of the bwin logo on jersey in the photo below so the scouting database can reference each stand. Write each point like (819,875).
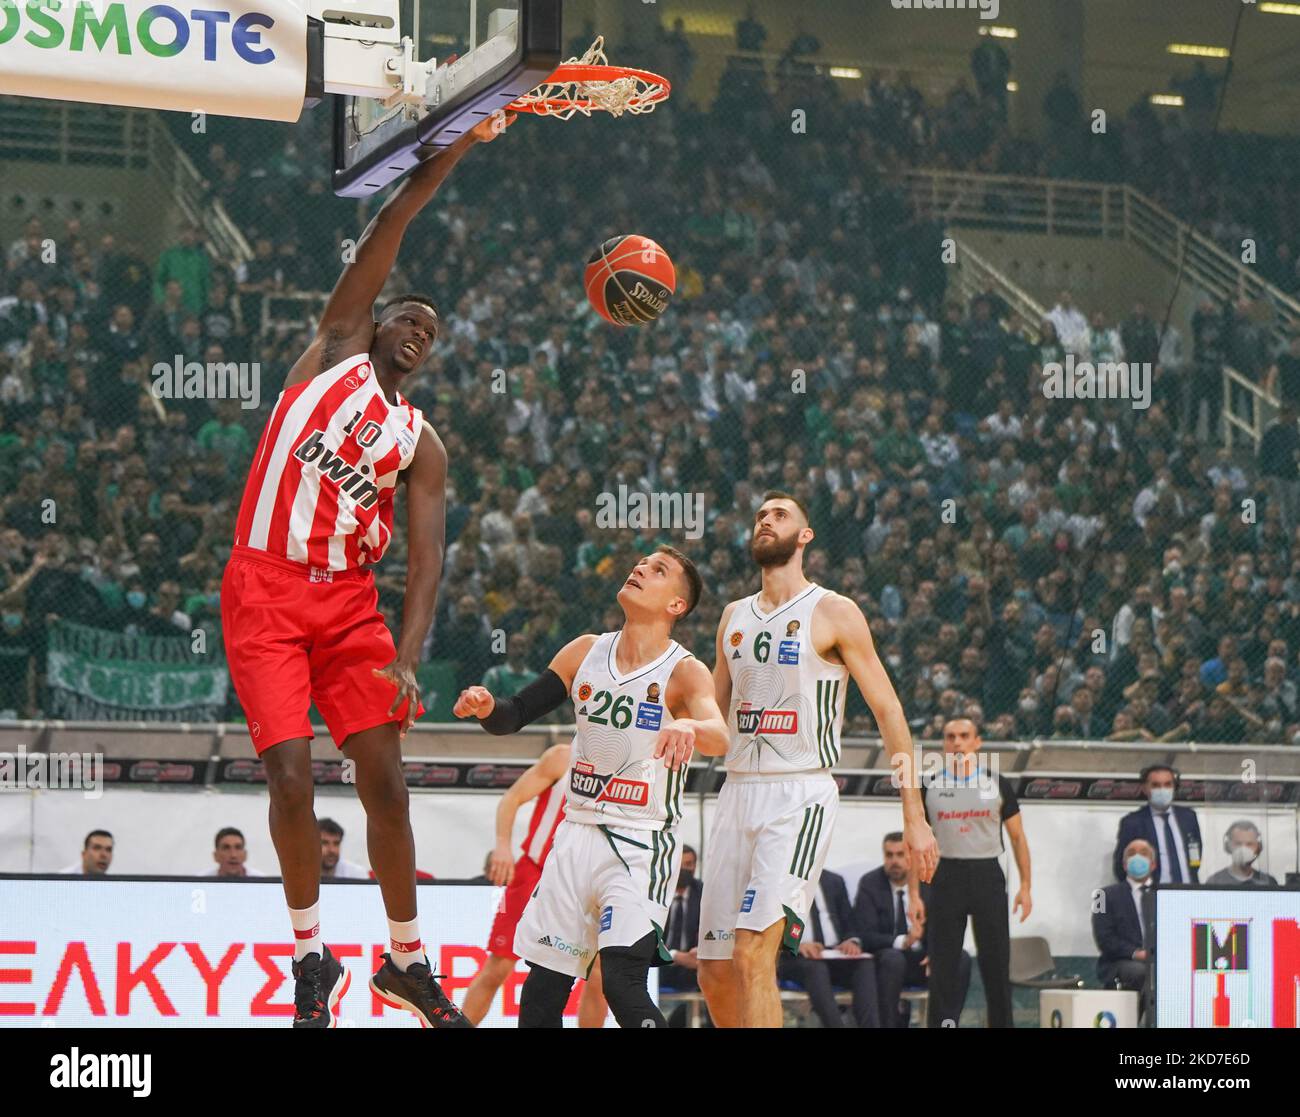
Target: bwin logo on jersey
(587,783)
(333,468)
(767,722)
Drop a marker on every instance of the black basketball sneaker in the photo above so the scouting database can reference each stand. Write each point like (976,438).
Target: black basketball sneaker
(319,985)
(417,990)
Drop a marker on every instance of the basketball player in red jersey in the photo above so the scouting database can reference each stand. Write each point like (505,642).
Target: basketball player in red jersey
(541,785)
(299,607)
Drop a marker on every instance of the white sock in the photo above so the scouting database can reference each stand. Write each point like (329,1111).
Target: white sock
(306,931)
(404,946)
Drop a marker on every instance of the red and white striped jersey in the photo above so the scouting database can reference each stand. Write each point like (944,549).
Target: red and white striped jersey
(548,813)
(321,487)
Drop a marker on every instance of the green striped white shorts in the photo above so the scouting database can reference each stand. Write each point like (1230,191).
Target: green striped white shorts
(765,854)
(601,886)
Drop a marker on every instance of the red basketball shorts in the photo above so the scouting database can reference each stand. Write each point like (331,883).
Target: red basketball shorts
(293,637)
(501,941)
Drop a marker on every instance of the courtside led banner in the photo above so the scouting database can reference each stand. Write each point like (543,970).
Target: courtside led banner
(232,59)
(211,954)
(1227,957)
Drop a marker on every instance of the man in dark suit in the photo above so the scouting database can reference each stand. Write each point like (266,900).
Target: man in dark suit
(1124,927)
(832,926)
(682,936)
(1172,832)
(897,945)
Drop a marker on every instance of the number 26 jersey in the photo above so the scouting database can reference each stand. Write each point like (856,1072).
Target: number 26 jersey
(614,778)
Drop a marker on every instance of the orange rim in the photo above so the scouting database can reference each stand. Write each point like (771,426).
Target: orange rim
(659,89)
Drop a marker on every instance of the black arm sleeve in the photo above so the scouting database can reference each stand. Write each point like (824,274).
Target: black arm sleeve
(545,693)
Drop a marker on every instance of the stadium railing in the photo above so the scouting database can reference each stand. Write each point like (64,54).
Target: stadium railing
(74,134)
(975,274)
(1247,409)
(1046,758)
(293,310)
(1117,211)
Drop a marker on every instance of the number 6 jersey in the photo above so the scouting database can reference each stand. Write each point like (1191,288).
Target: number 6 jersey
(614,778)
(787,703)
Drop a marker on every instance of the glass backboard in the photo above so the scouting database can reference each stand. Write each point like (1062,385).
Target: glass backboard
(488,52)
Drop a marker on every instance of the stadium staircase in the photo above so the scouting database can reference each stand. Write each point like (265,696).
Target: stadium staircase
(975,275)
(1117,212)
(68,134)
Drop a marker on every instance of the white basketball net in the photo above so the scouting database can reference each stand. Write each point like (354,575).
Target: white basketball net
(624,94)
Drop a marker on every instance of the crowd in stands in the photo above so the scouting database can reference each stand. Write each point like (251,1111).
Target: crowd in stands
(1048,567)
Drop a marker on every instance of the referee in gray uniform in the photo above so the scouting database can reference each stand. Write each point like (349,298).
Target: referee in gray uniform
(967,811)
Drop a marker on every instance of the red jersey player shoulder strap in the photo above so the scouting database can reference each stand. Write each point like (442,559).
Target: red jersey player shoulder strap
(334,372)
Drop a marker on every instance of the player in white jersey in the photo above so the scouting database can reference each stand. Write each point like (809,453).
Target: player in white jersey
(643,704)
(543,786)
(784,657)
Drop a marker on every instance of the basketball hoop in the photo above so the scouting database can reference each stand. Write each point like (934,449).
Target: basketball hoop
(590,84)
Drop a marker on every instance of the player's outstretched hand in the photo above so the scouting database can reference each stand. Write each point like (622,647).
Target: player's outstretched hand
(474,702)
(923,848)
(402,676)
(676,743)
(488,129)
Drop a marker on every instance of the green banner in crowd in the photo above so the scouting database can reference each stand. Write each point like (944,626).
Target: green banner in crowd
(438,689)
(93,674)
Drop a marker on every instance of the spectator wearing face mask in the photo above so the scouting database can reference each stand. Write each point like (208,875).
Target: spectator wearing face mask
(1123,927)
(1243,843)
(941,677)
(1173,832)
(166,617)
(135,614)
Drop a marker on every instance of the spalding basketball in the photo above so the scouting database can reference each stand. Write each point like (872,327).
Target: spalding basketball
(630,280)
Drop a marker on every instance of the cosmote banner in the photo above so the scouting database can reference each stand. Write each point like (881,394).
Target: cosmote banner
(229,59)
